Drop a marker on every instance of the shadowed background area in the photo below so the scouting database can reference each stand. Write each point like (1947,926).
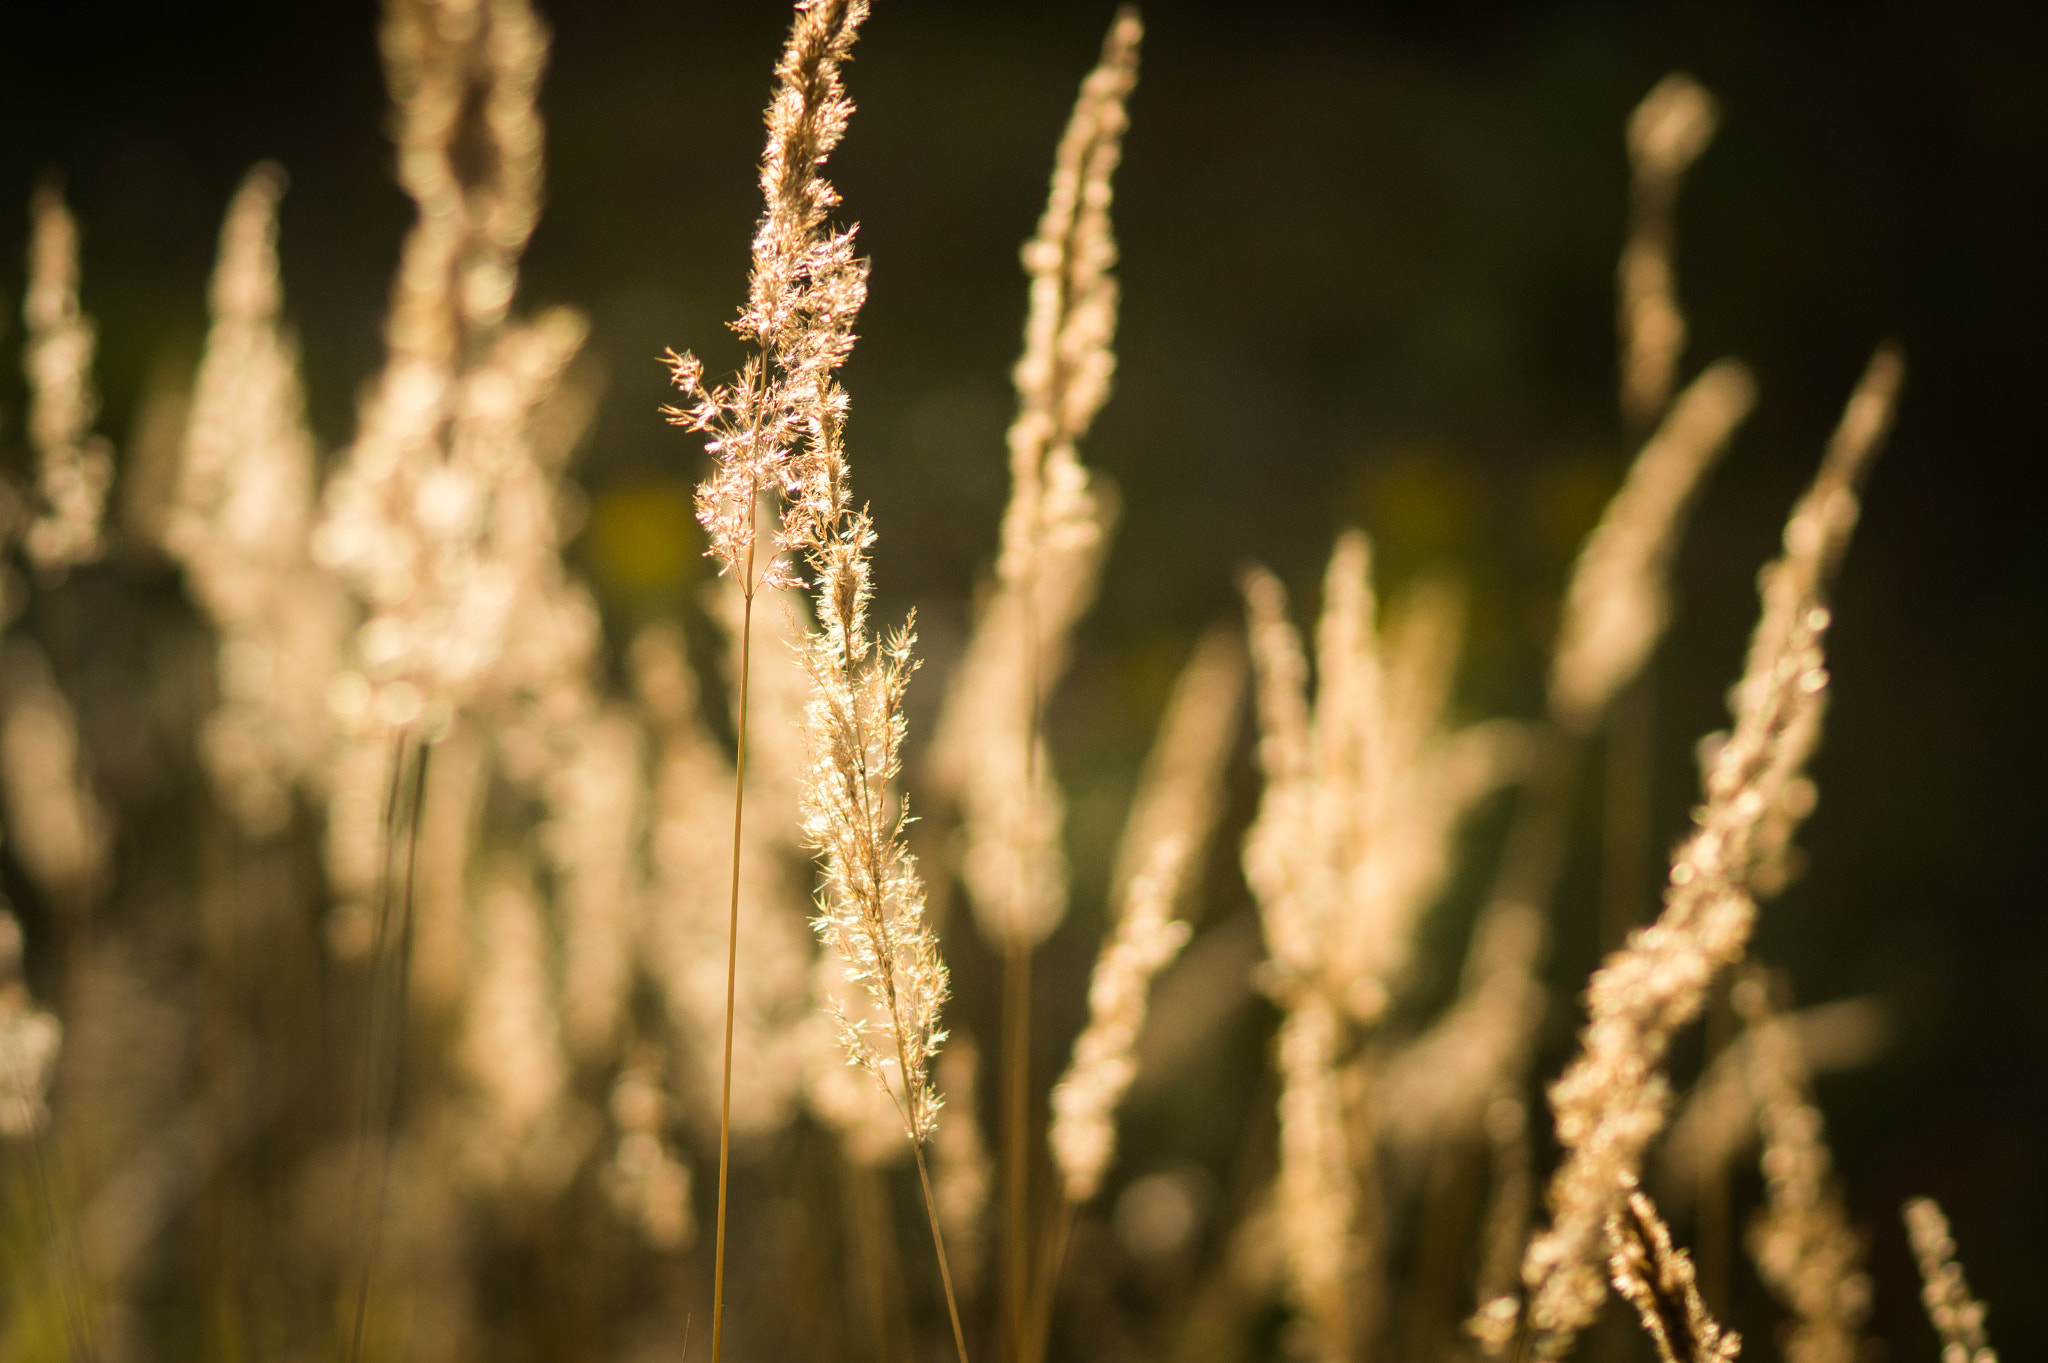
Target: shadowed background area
(1368,263)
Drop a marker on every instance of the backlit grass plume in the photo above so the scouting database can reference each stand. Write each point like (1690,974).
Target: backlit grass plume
(987,753)
(238,520)
(1164,839)
(1617,607)
(74,467)
(768,424)
(1364,794)
(1804,1247)
(1666,134)
(1957,1316)
(872,905)
(1611,1101)
(872,908)
(1656,1278)
(774,428)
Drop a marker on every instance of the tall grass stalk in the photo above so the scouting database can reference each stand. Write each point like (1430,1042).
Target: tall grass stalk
(385,1011)
(773,427)
(732,945)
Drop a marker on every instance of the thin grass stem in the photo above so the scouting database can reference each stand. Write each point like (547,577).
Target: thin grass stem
(1016,1142)
(1045,1289)
(1017,1285)
(69,1267)
(931,1211)
(395,1016)
(732,937)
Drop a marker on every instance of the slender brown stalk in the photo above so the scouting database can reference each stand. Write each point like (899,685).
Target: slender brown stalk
(1051,1263)
(732,945)
(399,887)
(1627,838)
(1017,1038)
(1017,1035)
(931,1211)
(774,423)
(1016,1143)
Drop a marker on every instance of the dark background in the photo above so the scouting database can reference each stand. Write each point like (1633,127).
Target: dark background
(1368,261)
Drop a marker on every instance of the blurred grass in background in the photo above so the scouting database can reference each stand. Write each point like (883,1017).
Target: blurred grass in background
(1368,263)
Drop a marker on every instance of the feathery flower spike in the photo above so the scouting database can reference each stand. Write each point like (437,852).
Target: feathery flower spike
(1657,1279)
(73,466)
(1666,134)
(1957,1316)
(1617,605)
(986,753)
(1804,1247)
(770,426)
(1611,1101)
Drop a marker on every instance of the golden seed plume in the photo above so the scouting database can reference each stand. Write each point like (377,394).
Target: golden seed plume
(986,752)
(1159,856)
(443,515)
(1657,1279)
(1146,938)
(1617,603)
(1804,1248)
(1611,1100)
(239,514)
(1666,134)
(872,906)
(777,429)
(74,467)
(29,1040)
(1364,793)
(1957,1316)
(771,426)
(1317,1195)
